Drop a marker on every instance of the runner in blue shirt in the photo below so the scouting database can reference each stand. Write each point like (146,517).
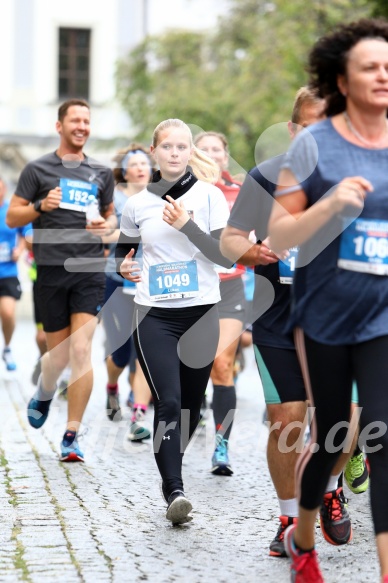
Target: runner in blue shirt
(12,243)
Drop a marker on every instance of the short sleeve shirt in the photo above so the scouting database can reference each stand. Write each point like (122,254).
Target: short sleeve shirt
(61,233)
(331,304)
(162,244)
(251,212)
(8,241)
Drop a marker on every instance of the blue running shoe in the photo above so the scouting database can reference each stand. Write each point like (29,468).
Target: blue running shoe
(220,459)
(70,452)
(8,359)
(37,410)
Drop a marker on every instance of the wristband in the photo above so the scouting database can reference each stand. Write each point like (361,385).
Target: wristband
(38,206)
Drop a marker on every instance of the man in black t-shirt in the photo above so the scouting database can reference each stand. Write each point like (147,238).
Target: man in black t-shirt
(54,192)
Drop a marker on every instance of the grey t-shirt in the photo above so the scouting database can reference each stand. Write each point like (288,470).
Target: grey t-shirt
(60,234)
(330,303)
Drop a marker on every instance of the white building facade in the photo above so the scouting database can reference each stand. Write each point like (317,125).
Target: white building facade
(53,50)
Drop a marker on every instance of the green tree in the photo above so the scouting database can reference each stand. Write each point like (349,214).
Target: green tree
(379,8)
(239,80)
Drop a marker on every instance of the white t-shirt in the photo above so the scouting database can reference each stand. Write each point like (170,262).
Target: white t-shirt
(175,273)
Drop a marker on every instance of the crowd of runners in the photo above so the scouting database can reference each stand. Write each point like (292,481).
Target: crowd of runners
(157,249)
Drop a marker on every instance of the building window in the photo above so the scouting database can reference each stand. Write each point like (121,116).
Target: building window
(74,63)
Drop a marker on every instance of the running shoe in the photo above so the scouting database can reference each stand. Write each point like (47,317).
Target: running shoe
(220,459)
(36,372)
(37,411)
(178,508)
(70,452)
(276,548)
(8,359)
(113,409)
(356,474)
(137,430)
(304,566)
(334,518)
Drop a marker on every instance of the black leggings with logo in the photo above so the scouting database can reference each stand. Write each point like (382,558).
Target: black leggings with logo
(176,349)
(329,373)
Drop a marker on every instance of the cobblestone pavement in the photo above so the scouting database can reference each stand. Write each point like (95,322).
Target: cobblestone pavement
(104,521)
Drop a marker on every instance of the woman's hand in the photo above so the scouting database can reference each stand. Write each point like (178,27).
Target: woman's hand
(130,269)
(175,214)
(350,191)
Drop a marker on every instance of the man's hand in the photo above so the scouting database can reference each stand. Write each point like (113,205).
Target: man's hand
(52,200)
(100,227)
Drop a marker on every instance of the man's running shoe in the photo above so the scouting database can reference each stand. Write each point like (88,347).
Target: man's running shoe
(137,430)
(356,474)
(113,409)
(36,372)
(8,359)
(70,452)
(276,548)
(37,411)
(220,459)
(304,566)
(334,518)
(178,508)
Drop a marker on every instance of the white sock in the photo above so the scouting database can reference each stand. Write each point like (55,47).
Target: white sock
(289,507)
(332,483)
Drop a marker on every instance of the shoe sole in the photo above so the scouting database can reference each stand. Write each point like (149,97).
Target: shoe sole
(72,457)
(278,555)
(139,436)
(330,540)
(222,470)
(178,511)
(359,489)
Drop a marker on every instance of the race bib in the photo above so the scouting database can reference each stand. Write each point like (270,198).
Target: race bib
(5,252)
(76,194)
(364,247)
(287,266)
(177,280)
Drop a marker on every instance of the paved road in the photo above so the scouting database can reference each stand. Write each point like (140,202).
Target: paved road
(104,521)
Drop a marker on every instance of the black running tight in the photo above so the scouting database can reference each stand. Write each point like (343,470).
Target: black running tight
(176,349)
(329,372)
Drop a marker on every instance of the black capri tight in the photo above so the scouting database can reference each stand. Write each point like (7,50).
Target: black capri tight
(176,348)
(329,372)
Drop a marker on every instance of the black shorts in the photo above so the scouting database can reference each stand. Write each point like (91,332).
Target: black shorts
(10,287)
(280,374)
(59,294)
(232,304)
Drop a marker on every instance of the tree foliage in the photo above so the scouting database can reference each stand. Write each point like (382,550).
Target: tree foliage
(240,79)
(379,8)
